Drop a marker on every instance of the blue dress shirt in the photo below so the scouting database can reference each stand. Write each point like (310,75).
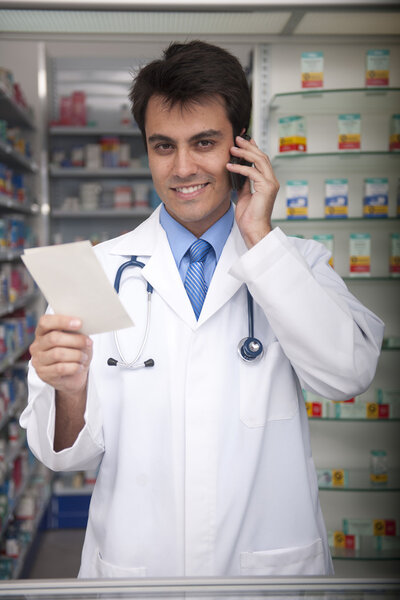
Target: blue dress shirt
(180,239)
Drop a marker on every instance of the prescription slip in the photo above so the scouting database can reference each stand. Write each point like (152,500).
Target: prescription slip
(74,283)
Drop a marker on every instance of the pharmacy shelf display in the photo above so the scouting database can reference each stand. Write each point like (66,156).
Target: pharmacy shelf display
(100,182)
(372,418)
(24,485)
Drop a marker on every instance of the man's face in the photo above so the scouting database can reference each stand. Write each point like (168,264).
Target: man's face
(188,149)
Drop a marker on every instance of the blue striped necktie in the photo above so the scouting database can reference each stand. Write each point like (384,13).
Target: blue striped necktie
(195,284)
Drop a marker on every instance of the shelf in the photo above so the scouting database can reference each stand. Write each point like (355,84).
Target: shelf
(13,206)
(61,130)
(367,554)
(10,307)
(383,278)
(14,502)
(16,160)
(111,213)
(391,344)
(15,115)
(14,451)
(335,101)
(350,162)
(118,172)
(337,221)
(10,359)
(359,481)
(352,420)
(60,489)
(8,255)
(13,409)
(22,557)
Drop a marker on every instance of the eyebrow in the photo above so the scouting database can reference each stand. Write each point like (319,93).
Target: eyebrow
(158,137)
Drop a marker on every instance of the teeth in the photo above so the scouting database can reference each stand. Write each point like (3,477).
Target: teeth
(191,189)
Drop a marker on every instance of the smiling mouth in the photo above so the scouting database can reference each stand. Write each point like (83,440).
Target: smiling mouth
(190,189)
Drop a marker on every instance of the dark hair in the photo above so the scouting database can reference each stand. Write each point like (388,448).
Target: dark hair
(192,72)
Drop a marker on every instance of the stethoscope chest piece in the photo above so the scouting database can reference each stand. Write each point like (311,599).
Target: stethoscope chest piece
(250,349)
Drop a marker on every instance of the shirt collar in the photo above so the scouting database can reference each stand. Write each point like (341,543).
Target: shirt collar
(180,238)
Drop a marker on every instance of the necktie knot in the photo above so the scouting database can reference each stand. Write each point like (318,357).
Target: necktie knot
(198,251)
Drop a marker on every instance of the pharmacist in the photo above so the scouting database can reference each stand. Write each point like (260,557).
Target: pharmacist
(205,467)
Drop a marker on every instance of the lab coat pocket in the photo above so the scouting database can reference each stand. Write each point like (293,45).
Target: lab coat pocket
(300,560)
(105,569)
(267,388)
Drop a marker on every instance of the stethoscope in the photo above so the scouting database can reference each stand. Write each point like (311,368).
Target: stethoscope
(250,348)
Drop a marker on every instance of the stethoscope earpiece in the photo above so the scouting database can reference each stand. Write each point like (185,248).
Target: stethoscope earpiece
(113,362)
(250,349)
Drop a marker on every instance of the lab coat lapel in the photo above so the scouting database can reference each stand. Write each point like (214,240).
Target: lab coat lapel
(223,285)
(162,273)
(149,242)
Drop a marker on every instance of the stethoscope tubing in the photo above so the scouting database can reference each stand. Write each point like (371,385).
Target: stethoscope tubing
(250,349)
(130,365)
(133,262)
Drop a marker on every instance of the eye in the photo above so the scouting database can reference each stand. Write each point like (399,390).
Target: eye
(206,144)
(163,147)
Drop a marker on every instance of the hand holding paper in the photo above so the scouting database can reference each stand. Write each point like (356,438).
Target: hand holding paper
(74,283)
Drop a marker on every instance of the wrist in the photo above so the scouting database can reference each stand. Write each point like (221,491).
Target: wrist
(252,238)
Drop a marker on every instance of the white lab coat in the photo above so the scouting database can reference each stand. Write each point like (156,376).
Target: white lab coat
(205,461)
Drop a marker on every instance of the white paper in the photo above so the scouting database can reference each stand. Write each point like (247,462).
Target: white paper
(74,283)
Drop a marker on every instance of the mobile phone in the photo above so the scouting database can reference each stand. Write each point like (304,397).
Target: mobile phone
(237,179)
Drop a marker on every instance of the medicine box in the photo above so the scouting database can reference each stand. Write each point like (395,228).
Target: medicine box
(336,198)
(377,68)
(297,199)
(375,204)
(292,134)
(370,526)
(312,70)
(360,254)
(349,127)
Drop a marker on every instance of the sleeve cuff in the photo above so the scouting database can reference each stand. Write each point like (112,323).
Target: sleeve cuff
(265,254)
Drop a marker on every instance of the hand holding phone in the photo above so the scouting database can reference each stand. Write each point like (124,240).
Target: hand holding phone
(254,203)
(238,180)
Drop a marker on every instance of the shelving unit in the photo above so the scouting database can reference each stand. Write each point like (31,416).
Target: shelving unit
(379,290)
(18,469)
(67,180)
(103,108)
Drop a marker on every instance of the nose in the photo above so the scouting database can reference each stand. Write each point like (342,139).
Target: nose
(184,164)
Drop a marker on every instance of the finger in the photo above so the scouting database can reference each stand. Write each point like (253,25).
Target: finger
(63,339)
(264,183)
(253,155)
(57,322)
(53,374)
(250,172)
(250,145)
(63,355)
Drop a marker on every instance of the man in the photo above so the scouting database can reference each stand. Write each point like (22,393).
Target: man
(205,461)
